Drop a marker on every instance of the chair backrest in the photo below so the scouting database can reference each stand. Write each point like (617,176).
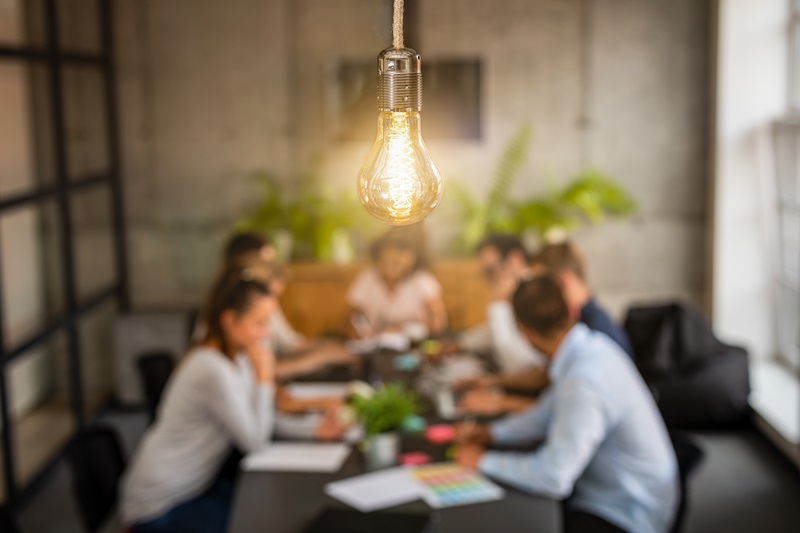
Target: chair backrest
(97,461)
(689,455)
(7,522)
(155,368)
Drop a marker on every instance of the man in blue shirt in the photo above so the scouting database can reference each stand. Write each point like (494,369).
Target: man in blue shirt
(604,442)
(565,263)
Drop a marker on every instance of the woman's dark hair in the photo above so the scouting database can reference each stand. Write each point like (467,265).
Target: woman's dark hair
(539,305)
(410,238)
(240,244)
(234,289)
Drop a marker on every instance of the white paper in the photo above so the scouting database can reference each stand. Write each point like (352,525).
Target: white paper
(398,342)
(377,490)
(313,391)
(298,457)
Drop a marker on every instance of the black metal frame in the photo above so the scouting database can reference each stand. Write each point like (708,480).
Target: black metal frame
(54,58)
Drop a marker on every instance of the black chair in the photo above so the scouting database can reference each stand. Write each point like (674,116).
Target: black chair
(97,462)
(7,522)
(689,455)
(155,369)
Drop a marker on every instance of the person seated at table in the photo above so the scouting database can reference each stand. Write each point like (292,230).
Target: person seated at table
(504,262)
(221,394)
(297,354)
(398,290)
(604,441)
(566,264)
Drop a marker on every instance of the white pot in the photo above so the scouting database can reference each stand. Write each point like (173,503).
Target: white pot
(381,451)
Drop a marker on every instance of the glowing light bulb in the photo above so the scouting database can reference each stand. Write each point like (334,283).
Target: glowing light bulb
(399,182)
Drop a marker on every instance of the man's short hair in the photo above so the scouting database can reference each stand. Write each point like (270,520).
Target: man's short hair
(242,244)
(504,243)
(539,305)
(558,258)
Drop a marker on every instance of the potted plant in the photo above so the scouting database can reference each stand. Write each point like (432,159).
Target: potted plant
(588,197)
(310,223)
(382,413)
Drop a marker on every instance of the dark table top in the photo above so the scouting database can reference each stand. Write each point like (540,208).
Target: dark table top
(287,502)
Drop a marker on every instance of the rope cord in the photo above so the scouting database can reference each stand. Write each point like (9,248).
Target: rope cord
(397,24)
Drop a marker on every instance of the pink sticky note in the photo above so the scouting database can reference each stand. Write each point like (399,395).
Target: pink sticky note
(440,434)
(415,459)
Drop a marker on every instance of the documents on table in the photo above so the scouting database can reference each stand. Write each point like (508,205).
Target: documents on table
(298,457)
(439,485)
(314,391)
(378,490)
(390,341)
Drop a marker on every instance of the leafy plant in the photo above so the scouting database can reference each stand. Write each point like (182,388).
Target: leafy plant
(479,216)
(312,215)
(589,197)
(386,409)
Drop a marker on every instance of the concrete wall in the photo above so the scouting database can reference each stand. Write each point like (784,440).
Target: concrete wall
(211,91)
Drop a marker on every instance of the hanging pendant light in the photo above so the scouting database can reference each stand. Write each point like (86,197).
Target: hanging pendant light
(399,183)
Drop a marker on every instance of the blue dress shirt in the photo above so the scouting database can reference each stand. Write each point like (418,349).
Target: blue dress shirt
(605,442)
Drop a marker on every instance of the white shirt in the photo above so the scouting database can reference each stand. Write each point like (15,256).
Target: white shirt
(407,303)
(502,336)
(210,403)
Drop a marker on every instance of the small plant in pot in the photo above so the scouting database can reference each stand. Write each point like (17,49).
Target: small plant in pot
(382,412)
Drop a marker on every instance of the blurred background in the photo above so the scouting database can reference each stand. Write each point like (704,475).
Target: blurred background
(136,135)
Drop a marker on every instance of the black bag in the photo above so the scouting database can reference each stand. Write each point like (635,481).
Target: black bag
(697,380)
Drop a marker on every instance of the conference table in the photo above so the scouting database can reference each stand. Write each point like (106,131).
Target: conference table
(287,502)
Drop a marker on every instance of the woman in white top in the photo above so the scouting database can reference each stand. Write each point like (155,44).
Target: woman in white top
(221,395)
(398,289)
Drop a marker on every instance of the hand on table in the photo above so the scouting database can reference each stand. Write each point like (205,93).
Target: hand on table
(469,455)
(471,433)
(332,426)
(483,402)
(474,382)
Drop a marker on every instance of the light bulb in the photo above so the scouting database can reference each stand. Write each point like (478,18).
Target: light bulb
(399,182)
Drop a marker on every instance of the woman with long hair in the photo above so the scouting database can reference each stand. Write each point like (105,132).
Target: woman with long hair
(220,397)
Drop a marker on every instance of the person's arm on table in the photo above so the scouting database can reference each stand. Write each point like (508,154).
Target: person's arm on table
(532,379)
(578,427)
(319,357)
(289,404)
(484,401)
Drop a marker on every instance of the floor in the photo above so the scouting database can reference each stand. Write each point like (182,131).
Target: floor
(742,486)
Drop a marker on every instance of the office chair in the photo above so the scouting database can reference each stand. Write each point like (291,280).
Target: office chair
(689,456)
(155,369)
(97,462)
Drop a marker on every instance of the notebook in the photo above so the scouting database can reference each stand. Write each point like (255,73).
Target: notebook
(298,457)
